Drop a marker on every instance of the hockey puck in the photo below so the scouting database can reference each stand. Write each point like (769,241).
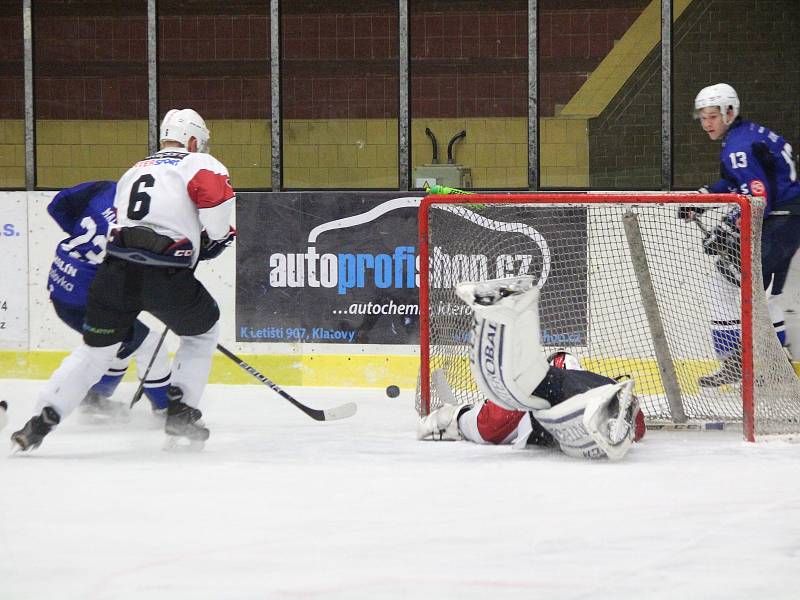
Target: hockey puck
(393,391)
(3,416)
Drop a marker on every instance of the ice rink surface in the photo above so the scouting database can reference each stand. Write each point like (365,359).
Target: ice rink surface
(280,506)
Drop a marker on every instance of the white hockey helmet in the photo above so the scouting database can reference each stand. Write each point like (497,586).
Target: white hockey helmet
(720,95)
(179,125)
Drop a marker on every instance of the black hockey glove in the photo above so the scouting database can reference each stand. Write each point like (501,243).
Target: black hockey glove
(213,248)
(687,213)
(723,241)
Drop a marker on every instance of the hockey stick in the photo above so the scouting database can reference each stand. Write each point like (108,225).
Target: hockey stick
(694,219)
(140,390)
(330,414)
(443,190)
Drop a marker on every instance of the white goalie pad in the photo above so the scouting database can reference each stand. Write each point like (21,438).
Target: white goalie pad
(596,423)
(506,357)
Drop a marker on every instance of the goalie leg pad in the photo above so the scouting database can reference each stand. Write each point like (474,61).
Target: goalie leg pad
(506,357)
(596,423)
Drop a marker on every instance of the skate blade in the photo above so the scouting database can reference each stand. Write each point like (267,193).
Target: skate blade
(177,443)
(16,448)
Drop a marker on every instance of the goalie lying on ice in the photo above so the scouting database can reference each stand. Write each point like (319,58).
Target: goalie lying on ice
(530,400)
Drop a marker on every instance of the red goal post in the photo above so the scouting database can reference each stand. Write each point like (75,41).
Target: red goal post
(626,287)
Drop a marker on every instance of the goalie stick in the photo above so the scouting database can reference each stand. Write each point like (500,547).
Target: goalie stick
(331,414)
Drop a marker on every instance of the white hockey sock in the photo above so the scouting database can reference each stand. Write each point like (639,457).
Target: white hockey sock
(144,354)
(193,364)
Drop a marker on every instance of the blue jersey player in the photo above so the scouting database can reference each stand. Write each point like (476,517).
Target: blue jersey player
(755,161)
(85,212)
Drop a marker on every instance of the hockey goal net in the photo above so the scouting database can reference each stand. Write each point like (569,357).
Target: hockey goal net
(626,287)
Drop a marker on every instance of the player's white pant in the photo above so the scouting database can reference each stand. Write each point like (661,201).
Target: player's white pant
(78,372)
(724,304)
(725,312)
(778,319)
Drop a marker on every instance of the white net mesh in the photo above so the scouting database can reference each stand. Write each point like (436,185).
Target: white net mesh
(593,305)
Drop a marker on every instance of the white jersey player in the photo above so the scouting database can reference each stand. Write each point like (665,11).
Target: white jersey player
(531,400)
(194,188)
(173,208)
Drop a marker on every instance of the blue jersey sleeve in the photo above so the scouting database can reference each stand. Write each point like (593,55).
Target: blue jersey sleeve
(759,163)
(69,205)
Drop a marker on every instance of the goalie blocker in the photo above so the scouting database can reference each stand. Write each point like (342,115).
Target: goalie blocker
(583,413)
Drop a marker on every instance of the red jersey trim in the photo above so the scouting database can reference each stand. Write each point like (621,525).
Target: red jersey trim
(208,189)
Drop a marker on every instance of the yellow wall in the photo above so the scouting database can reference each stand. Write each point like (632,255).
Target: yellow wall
(12,153)
(337,370)
(69,152)
(335,153)
(340,153)
(244,147)
(496,149)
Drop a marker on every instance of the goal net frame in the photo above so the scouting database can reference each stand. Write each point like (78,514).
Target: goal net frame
(750,224)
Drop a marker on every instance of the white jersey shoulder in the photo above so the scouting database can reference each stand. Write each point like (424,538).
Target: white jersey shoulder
(169,190)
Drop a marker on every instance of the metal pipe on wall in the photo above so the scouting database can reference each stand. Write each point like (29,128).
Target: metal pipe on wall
(403,118)
(276,171)
(533,97)
(30,122)
(152,77)
(666,95)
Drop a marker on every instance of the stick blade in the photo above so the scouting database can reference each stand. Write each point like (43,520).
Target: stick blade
(340,412)
(442,387)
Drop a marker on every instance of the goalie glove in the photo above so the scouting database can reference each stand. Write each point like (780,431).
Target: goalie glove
(687,213)
(213,248)
(724,240)
(441,424)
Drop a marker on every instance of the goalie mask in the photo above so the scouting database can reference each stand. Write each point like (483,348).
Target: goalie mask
(182,125)
(721,96)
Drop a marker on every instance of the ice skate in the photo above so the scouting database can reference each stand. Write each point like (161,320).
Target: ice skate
(95,408)
(729,372)
(31,436)
(183,423)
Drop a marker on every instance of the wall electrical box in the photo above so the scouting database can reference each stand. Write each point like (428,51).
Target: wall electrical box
(449,174)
